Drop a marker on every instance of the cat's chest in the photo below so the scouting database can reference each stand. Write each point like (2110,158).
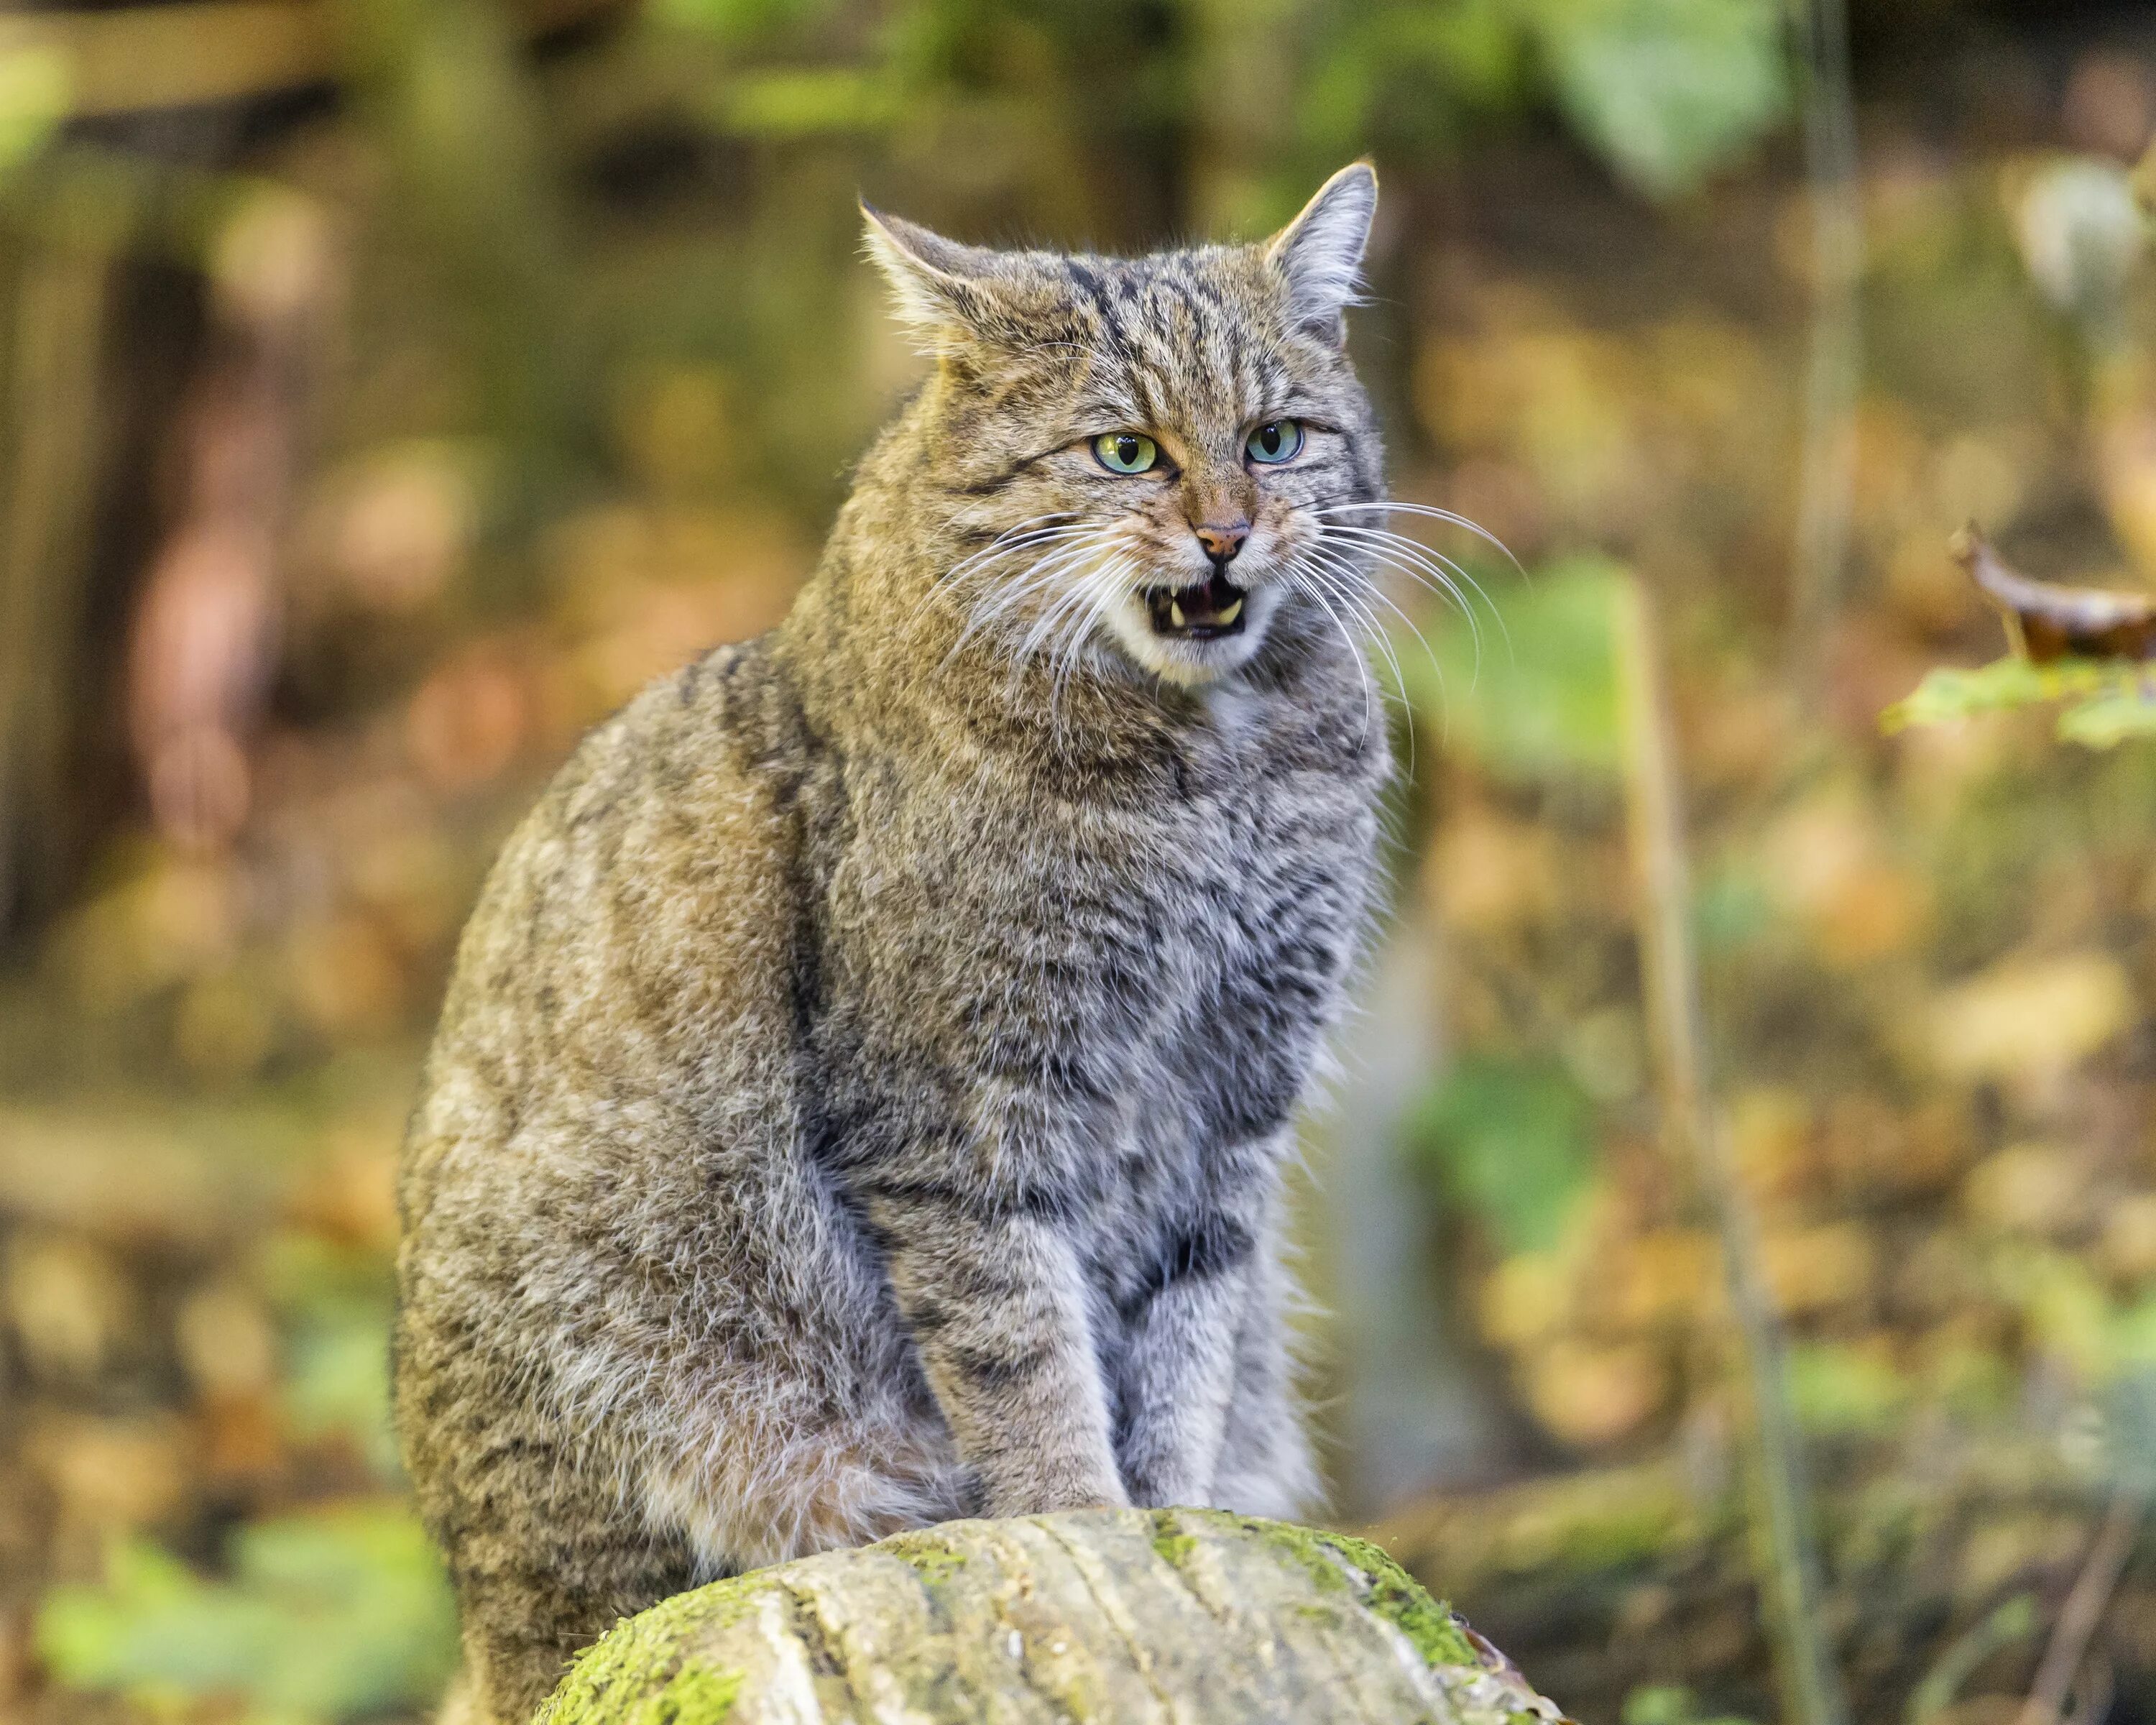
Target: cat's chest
(1123,923)
(1242,868)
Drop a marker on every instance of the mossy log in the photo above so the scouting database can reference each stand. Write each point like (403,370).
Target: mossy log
(1187,1616)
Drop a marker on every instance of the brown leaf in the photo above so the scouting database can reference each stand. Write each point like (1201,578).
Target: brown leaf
(2046,623)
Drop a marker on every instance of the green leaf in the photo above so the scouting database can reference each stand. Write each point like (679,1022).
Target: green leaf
(334,1304)
(1402,78)
(35,92)
(2124,709)
(2129,1404)
(1667,90)
(2014,1619)
(1512,1141)
(328,1617)
(1659,1704)
(339,1379)
(1667,1704)
(2118,701)
(1948,694)
(1731,908)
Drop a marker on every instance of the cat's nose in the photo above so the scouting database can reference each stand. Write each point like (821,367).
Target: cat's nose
(1222,543)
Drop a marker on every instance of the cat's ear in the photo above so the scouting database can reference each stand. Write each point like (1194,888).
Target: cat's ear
(942,292)
(1319,254)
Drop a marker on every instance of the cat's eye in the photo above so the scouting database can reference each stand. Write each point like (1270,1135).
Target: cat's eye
(1125,452)
(1275,440)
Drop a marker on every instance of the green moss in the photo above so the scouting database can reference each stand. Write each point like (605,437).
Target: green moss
(932,1561)
(635,1674)
(1170,1540)
(696,1695)
(1403,1601)
(1304,1546)
(1394,1595)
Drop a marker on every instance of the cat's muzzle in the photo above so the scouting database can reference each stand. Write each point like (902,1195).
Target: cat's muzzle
(1204,612)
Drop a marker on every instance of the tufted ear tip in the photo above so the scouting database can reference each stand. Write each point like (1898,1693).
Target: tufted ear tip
(1361,173)
(942,291)
(1319,254)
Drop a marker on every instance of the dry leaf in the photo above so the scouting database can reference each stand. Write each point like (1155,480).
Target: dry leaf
(2046,623)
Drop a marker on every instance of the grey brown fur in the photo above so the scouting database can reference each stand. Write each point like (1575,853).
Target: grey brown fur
(862,1094)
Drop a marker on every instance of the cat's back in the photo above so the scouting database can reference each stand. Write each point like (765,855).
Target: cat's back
(624,972)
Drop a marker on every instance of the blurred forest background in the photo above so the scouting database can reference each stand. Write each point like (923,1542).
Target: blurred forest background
(388,388)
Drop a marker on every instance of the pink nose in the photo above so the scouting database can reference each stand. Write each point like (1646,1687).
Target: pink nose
(1222,543)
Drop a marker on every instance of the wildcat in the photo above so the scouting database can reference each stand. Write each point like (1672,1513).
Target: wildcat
(861,1096)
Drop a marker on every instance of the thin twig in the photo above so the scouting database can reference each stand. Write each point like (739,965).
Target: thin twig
(1835,360)
(1787,1566)
(2093,1589)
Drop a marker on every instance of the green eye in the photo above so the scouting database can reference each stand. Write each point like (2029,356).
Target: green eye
(1275,440)
(1126,451)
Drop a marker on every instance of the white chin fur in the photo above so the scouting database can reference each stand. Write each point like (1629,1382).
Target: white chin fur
(1194,664)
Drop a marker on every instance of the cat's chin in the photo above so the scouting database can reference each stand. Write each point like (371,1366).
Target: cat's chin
(1197,635)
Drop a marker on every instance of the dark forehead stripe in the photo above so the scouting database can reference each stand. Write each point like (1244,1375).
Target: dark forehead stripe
(1101,300)
(1200,348)
(1187,340)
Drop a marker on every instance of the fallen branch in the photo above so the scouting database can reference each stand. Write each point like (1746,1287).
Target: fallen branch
(1190,1615)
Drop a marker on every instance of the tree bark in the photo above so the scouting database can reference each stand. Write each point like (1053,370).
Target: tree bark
(1190,1615)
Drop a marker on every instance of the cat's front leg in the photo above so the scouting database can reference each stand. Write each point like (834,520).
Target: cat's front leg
(993,1293)
(1265,1466)
(1179,1365)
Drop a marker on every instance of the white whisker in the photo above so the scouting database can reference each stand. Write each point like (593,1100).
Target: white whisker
(1047,623)
(1096,592)
(1436,570)
(1440,515)
(1387,535)
(1352,579)
(1012,539)
(1040,577)
(1322,560)
(1023,537)
(1304,584)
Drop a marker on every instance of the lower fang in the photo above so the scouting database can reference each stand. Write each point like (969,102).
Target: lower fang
(1175,614)
(1230,612)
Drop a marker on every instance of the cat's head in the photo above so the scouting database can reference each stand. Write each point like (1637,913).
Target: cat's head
(1142,452)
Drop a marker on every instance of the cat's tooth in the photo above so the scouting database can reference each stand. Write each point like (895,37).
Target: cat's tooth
(1175,613)
(1231,611)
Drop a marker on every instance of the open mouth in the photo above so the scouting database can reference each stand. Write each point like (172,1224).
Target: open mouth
(1204,612)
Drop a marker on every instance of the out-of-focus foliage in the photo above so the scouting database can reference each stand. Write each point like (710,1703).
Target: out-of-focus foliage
(1670,90)
(1512,1142)
(1528,686)
(589,346)
(2082,235)
(1666,91)
(329,1616)
(1668,1704)
(33,100)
